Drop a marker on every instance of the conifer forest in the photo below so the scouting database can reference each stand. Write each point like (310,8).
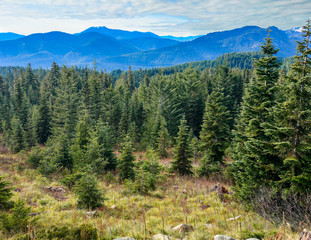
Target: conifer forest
(192,151)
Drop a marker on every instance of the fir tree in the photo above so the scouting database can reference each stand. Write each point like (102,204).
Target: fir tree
(94,154)
(253,152)
(44,119)
(65,108)
(89,196)
(18,135)
(62,156)
(30,131)
(95,88)
(215,132)
(181,161)
(5,193)
(105,138)
(292,135)
(163,139)
(126,162)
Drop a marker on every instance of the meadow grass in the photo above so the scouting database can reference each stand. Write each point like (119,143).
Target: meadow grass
(177,200)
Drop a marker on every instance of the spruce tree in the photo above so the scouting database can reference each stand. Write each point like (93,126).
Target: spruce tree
(163,139)
(181,160)
(44,119)
(215,133)
(105,138)
(95,97)
(18,135)
(190,97)
(61,148)
(94,154)
(30,131)
(126,162)
(65,108)
(253,152)
(292,135)
(5,193)
(87,191)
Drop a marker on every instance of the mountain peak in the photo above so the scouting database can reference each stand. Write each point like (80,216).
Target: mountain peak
(120,34)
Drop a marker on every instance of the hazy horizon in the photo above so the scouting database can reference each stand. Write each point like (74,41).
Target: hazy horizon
(174,17)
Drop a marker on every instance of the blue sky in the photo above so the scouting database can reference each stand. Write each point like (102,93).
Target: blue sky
(163,17)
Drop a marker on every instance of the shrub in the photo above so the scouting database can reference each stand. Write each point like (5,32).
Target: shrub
(35,157)
(18,220)
(5,193)
(83,232)
(89,196)
(71,179)
(147,174)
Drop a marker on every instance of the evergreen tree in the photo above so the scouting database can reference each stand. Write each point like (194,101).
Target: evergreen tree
(95,88)
(20,100)
(105,138)
(163,139)
(61,155)
(18,135)
(5,193)
(190,97)
(82,139)
(292,135)
(147,173)
(30,131)
(130,81)
(31,85)
(215,132)
(94,154)
(65,108)
(126,162)
(255,159)
(89,196)
(181,161)
(5,108)
(44,119)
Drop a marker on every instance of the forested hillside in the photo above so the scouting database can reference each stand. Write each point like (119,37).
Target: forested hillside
(125,145)
(117,49)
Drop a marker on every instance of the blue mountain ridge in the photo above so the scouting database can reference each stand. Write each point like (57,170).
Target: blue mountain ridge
(118,49)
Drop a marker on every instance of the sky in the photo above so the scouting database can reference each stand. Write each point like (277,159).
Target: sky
(163,17)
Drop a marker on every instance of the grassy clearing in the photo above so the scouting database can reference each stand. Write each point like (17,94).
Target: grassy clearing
(177,200)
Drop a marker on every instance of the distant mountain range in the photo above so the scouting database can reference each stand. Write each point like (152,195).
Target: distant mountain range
(10,36)
(118,49)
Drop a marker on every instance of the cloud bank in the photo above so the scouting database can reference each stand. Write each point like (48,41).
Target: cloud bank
(177,17)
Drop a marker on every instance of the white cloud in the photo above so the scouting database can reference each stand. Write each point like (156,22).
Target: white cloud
(180,17)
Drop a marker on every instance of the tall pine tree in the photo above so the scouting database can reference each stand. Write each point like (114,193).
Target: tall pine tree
(215,133)
(253,152)
(181,161)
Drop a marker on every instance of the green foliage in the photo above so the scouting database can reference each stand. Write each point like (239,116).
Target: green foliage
(147,174)
(64,114)
(35,157)
(5,193)
(255,160)
(163,140)
(215,133)
(94,154)
(181,161)
(89,196)
(44,120)
(18,220)
(106,140)
(83,232)
(293,123)
(71,180)
(18,135)
(126,162)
